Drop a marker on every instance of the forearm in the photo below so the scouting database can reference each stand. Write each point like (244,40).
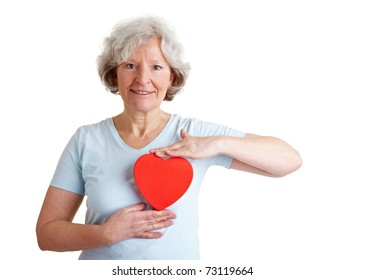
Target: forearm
(66,236)
(269,154)
(258,154)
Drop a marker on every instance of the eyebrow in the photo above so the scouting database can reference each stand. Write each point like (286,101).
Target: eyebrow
(159,61)
(152,60)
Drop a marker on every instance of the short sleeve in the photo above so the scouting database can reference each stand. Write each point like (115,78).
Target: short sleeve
(68,173)
(200,128)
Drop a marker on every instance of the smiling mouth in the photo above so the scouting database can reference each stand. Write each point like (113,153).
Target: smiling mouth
(141,92)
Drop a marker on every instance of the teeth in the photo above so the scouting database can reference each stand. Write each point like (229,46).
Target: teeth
(141,92)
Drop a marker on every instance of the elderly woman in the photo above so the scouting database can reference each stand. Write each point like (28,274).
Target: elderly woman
(141,61)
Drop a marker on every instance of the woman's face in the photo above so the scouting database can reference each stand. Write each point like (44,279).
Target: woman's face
(144,78)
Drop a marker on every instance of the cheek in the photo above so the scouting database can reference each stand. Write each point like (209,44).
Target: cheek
(165,82)
(123,81)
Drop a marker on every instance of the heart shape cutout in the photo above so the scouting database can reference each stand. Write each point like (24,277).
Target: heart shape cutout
(162,181)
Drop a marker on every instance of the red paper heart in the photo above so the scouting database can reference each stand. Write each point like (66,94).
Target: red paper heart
(162,182)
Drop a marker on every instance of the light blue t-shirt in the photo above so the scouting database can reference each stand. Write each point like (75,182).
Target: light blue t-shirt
(99,164)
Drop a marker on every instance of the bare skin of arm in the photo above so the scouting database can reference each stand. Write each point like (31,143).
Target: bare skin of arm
(56,231)
(264,155)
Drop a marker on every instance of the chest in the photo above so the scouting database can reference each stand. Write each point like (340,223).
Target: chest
(137,142)
(110,184)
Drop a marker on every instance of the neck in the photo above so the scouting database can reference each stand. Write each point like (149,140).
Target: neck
(141,124)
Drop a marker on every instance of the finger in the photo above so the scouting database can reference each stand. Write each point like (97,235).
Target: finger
(159,151)
(159,225)
(184,153)
(176,153)
(175,146)
(159,215)
(136,207)
(163,155)
(150,235)
(176,150)
(148,230)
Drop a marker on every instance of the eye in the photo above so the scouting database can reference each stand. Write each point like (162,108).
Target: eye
(157,67)
(130,66)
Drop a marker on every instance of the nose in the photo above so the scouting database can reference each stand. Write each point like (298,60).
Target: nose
(143,76)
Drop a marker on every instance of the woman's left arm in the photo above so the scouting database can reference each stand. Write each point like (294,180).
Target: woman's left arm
(264,155)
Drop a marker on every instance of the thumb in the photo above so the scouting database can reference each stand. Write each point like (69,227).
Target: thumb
(137,207)
(184,134)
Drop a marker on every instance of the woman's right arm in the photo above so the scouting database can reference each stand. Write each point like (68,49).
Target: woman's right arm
(56,232)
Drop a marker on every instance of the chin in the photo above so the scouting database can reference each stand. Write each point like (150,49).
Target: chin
(146,108)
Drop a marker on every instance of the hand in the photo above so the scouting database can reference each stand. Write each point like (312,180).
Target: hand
(134,222)
(189,147)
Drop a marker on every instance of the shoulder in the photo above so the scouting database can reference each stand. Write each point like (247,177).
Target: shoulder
(195,126)
(94,128)
(92,133)
(186,121)
(198,127)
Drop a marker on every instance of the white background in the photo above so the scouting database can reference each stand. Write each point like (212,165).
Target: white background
(291,69)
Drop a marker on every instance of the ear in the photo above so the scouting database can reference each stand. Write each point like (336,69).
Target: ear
(172,76)
(115,74)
